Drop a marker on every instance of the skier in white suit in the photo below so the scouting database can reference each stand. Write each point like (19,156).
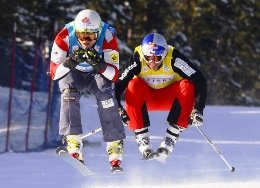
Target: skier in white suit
(85,56)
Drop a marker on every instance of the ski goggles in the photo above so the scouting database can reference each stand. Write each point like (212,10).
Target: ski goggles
(153,58)
(83,36)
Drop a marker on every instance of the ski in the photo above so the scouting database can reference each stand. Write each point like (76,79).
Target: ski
(79,166)
(116,170)
(152,156)
(161,157)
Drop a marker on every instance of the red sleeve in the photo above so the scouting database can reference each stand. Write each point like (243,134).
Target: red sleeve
(112,44)
(53,68)
(59,39)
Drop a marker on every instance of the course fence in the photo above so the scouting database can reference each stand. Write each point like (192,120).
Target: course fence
(29,99)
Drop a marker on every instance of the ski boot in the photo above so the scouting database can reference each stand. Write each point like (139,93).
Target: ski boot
(74,147)
(149,154)
(164,150)
(115,152)
(143,140)
(115,166)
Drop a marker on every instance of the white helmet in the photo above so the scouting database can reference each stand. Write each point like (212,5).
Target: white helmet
(87,21)
(154,44)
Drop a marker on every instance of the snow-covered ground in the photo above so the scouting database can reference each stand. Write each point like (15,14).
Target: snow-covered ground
(194,164)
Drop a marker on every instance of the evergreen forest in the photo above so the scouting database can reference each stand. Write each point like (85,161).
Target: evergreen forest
(220,36)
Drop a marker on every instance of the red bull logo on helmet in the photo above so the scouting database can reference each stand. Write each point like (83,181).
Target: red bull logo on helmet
(152,47)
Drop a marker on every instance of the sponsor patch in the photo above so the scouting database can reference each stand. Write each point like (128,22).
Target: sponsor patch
(126,71)
(158,80)
(166,68)
(69,98)
(114,57)
(107,103)
(184,67)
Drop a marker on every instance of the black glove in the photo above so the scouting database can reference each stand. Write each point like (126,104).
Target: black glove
(124,115)
(92,58)
(70,63)
(80,55)
(77,57)
(196,117)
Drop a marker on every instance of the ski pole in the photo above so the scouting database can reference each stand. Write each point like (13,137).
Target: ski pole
(92,132)
(231,168)
(95,131)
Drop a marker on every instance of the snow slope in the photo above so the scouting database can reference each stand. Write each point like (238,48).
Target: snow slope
(234,130)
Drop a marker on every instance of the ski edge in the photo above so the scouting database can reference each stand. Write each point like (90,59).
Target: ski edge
(81,168)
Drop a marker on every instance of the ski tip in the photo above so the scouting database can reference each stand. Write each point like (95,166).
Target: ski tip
(232,169)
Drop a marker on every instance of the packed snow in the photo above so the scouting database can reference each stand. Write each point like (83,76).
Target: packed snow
(235,131)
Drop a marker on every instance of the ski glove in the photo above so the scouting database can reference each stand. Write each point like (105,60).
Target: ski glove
(124,116)
(196,117)
(77,57)
(92,58)
(70,63)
